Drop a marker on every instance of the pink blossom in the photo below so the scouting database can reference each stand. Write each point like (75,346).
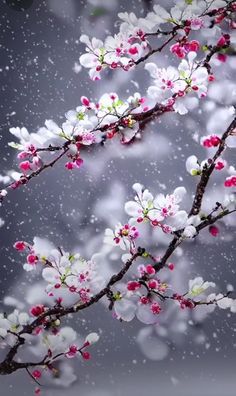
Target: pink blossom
(196,23)
(155,308)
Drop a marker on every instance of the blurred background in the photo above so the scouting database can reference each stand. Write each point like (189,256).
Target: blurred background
(186,354)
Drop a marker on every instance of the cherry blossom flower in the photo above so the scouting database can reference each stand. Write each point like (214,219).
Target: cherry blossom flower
(158,209)
(122,237)
(197,286)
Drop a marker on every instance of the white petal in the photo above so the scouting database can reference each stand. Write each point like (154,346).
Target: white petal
(132,208)
(125,309)
(88,60)
(179,193)
(50,275)
(145,315)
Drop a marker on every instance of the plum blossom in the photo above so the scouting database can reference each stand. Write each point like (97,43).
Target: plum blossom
(123,236)
(192,166)
(192,76)
(68,271)
(157,209)
(61,341)
(131,42)
(71,282)
(94,58)
(118,51)
(128,304)
(222,301)
(197,286)
(13,322)
(171,85)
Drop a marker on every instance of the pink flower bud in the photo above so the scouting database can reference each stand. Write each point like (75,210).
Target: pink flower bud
(221,42)
(153,284)
(139,220)
(69,165)
(150,269)
(36,374)
(144,300)
(32,259)
(37,310)
(230,181)
(211,78)
(72,352)
(214,231)
(133,285)
(114,65)
(86,355)
(20,245)
(85,101)
(79,162)
(25,166)
(219,165)
(222,57)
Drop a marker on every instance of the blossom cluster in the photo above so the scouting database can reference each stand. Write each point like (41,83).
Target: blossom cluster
(133,41)
(62,271)
(88,124)
(70,282)
(160,211)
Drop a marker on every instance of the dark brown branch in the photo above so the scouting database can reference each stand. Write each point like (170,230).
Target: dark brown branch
(142,117)
(207,171)
(159,49)
(197,201)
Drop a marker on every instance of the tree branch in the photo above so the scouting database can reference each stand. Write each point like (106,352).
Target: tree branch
(9,365)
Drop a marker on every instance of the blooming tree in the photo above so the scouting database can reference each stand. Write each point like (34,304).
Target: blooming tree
(200,36)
